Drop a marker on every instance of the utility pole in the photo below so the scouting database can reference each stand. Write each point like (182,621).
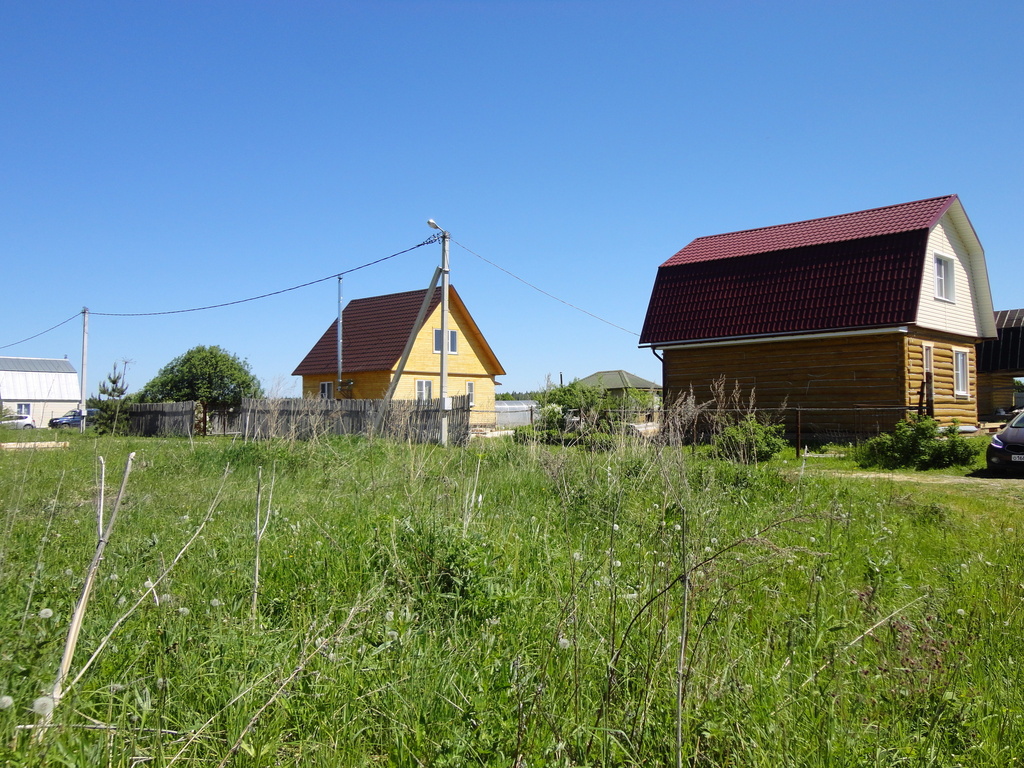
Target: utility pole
(85,365)
(445,402)
(337,385)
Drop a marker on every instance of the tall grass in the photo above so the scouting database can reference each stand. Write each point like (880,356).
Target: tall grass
(506,605)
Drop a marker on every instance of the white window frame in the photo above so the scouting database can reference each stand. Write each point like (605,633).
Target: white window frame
(327,390)
(471,392)
(24,409)
(961,372)
(945,281)
(424,389)
(453,342)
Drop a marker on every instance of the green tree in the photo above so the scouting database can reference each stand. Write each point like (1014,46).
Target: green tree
(210,376)
(111,403)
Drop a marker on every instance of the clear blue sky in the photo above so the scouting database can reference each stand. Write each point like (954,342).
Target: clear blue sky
(164,155)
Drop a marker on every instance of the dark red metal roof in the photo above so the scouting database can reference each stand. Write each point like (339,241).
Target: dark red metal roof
(905,217)
(858,270)
(374,332)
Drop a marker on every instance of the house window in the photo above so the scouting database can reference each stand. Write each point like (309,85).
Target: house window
(24,409)
(453,342)
(327,390)
(471,392)
(960,382)
(424,389)
(944,284)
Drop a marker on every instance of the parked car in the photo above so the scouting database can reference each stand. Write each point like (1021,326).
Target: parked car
(18,422)
(72,418)
(1006,451)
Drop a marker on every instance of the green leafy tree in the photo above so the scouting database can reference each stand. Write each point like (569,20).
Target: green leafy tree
(210,376)
(111,403)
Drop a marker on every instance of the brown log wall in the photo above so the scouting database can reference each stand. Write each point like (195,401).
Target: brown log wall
(882,371)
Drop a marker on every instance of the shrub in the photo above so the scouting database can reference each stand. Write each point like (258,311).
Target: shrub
(917,442)
(750,441)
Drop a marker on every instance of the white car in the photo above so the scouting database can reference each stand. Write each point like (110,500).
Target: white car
(17,422)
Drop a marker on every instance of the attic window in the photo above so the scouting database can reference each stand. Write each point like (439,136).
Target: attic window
(944,284)
(453,342)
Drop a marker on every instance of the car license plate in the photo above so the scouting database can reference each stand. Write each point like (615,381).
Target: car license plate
(1017,457)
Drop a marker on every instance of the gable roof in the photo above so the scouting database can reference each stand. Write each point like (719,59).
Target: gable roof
(853,271)
(36,365)
(618,380)
(375,330)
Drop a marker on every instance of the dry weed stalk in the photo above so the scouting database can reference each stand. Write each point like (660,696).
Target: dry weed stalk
(79,614)
(181,553)
(260,530)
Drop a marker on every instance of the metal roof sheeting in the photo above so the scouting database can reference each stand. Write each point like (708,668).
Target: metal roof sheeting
(36,364)
(892,219)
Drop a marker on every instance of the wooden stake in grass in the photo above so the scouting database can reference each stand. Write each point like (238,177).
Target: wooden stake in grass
(79,614)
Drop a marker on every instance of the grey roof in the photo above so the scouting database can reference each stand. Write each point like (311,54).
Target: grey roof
(618,380)
(36,365)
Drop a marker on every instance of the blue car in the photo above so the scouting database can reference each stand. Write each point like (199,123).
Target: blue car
(72,418)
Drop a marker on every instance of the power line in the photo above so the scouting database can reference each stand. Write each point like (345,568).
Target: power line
(428,241)
(541,290)
(36,336)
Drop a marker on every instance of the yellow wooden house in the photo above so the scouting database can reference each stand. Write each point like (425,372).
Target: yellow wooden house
(877,309)
(374,334)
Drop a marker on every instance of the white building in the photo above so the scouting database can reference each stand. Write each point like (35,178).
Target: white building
(38,387)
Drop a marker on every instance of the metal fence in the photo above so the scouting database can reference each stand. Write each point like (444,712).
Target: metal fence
(418,421)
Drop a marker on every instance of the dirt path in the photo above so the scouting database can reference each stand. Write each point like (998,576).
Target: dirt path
(984,482)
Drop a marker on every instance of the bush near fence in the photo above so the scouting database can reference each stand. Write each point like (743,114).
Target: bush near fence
(418,421)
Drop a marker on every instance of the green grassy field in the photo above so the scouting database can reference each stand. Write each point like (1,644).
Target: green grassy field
(505,605)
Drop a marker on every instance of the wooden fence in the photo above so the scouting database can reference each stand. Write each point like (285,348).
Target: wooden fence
(297,418)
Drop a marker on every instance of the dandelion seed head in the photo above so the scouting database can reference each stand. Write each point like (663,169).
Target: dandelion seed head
(615,526)
(392,634)
(577,556)
(45,613)
(113,577)
(68,572)
(389,616)
(147,584)
(161,683)
(43,705)
(215,603)
(122,600)
(677,527)
(961,612)
(617,563)
(183,611)
(6,702)
(563,643)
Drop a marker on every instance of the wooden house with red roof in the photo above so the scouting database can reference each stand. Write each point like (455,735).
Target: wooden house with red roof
(374,334)
(877,309)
